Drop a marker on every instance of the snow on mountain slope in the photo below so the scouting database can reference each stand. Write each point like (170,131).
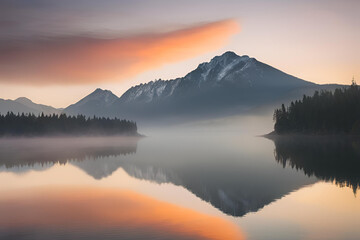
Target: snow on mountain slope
(228,69)
(226,85)
(150,91)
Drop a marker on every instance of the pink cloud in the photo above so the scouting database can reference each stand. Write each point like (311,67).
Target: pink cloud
(82,60)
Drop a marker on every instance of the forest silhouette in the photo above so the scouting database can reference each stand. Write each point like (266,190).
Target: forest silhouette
(325,112)
(31,125)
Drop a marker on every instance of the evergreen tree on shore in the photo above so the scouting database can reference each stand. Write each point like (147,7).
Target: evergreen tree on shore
(325,112)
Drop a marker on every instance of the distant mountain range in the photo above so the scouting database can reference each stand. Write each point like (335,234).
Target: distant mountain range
(227,85)
(25,105)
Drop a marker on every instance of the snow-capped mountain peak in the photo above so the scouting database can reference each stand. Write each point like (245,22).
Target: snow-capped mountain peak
(227,58)
(220,66)
(213,87)
(208,73)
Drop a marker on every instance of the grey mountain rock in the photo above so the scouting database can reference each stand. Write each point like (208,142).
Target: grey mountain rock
(97,103)
(227,85)
(25,105)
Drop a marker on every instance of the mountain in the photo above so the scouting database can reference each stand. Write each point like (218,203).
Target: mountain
(236,195)
(96,103)
(228,84)
(25,105)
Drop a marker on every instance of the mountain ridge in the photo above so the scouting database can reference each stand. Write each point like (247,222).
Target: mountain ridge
(226,85)
(25,105)
(95,102)
(203,73)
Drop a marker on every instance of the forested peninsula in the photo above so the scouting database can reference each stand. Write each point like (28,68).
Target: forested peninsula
(43,125)
(324,113)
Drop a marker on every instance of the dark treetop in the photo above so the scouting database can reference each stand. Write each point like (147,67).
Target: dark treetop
(325,112)
(31,125)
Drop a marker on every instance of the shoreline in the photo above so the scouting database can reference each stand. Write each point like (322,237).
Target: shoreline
(273,135)
(65,136)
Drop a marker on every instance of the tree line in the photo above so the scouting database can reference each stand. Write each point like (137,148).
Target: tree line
(31,125)
(325,112)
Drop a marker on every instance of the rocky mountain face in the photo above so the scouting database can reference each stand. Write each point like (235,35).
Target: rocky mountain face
(97,103)
(222,72)
(227,85)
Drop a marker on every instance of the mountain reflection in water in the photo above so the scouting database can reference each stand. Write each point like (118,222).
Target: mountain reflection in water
(235,183)
(187,185)
(29,153)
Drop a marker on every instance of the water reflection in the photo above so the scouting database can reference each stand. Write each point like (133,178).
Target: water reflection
(234,182)
(21,155)
(334,159)
(322,211)
(97,213)
(232,189)
(116,194)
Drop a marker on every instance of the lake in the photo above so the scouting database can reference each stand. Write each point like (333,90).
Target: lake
(181,183)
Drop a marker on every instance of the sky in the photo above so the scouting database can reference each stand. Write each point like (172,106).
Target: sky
(56,52)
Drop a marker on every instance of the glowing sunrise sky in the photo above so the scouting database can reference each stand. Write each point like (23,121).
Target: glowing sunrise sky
(56,52)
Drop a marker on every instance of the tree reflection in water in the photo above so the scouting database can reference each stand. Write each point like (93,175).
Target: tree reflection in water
(331,158)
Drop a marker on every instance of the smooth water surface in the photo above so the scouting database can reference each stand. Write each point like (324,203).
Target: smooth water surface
(181,184)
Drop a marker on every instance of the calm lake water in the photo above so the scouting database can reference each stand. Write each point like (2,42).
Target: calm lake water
(180,184)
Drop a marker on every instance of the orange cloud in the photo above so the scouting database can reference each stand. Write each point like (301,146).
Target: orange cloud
(80,60)
(95,210)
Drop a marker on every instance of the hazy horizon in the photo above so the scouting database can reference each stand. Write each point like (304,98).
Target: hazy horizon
(55,53)
(256,136)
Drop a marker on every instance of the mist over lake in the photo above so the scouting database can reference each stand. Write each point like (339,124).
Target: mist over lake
(179,120)
(211,173)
